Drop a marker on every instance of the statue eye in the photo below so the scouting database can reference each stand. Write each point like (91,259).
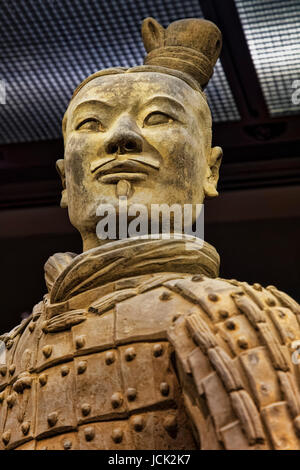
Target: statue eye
(90,124)
(156,118)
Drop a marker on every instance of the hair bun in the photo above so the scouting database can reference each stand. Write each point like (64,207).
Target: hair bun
(190,45)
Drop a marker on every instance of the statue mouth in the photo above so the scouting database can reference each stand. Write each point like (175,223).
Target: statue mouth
(129,176)
(130,170)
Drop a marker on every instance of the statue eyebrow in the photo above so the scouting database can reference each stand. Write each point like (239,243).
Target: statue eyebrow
(98,103)
(163,98)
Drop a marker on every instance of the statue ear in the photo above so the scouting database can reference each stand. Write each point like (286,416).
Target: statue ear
(60,167)
(153,34)
(212,172)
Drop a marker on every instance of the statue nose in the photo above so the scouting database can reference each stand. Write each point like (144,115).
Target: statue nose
(123,142)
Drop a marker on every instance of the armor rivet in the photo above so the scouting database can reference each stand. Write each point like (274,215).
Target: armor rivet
(270,302)
(31,327)
(157,350)
(170,424)
(223,314)
(11,400)
(24,381)
(116,400)
(45,327)
(9,343)
(86,409)
(117,435)
(6,437)
(25,427)
(230,325)
(52,419)
(64,370)
(81,367)
(264,388)
(257,286)
(164,389)
(165,295)
(47,351)
(89,433)
(18,386)
(3,370)
(12,369)
(80,341)
(213,297)
(131,394)
(138,423)
(43,379)
(242,342)
(110,357)
(176,316)
(68,445)
(197,278)
(130,354)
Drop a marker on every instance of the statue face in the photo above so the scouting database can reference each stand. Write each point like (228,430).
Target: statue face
(145,135)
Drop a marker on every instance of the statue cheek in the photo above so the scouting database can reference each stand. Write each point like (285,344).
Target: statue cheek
(79,152)
(85,144)
(74,169)
(182,153)
(169,142)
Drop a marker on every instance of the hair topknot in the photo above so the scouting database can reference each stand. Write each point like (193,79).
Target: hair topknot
(191,45)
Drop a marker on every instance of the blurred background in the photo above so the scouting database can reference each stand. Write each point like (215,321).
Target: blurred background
(49,46)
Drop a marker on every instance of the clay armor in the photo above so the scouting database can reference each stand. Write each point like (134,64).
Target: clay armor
(106,383)
(162,361)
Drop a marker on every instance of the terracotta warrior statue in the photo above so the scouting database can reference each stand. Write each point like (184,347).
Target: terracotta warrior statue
(138,343)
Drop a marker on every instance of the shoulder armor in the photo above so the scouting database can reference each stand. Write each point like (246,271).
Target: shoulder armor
(237,354)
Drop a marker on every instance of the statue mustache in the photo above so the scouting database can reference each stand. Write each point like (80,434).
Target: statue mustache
(132,162)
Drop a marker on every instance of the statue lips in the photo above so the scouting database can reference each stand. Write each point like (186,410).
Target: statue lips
(129,169)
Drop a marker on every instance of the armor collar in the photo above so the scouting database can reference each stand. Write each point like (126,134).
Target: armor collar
(68,275)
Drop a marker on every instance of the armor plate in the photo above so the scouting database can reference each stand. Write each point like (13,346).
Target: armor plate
(145,373)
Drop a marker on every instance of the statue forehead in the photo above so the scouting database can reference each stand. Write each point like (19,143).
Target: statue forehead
(138,85)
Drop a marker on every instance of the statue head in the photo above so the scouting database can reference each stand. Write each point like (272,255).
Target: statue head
(143,132)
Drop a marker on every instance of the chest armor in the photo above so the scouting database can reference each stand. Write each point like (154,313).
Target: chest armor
(105,380)
(97,371)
